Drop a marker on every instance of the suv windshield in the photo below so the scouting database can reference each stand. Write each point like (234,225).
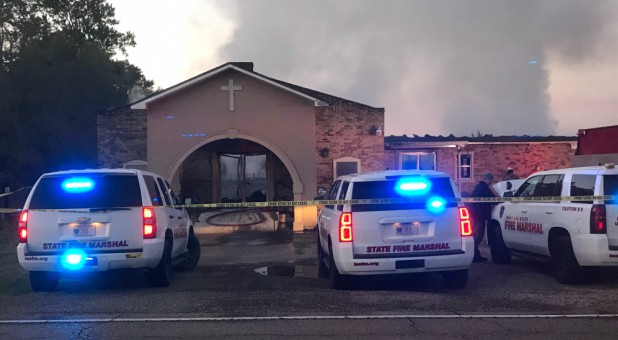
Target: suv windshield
(440,186)
(87,190)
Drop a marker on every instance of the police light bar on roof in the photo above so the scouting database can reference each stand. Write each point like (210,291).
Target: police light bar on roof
(77,184)
(412,186)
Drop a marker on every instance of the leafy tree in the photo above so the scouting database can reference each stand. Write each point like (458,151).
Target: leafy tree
(57,72)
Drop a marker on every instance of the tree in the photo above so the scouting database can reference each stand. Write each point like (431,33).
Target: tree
(57,72)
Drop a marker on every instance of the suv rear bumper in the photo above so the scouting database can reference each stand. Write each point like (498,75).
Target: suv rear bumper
(593,250)
(347,264)
(147,257)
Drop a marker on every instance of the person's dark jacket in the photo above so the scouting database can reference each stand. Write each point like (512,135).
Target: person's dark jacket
(481,211)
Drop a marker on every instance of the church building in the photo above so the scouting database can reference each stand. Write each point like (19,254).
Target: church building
(233,135)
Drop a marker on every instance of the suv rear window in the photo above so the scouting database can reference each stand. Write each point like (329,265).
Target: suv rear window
(107,191)
(440,186)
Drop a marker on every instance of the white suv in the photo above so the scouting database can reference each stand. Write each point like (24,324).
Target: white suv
(433,233)
(572,234)
(98,220)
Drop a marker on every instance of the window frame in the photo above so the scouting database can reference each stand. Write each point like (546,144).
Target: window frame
(470,166)
(345,160)
(418,155)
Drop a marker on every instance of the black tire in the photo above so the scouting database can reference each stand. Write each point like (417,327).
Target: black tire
(322,268)
(162,275)
(44,281)
(499,252)
(456,279)
(337,280)
(194,251)
(564,264)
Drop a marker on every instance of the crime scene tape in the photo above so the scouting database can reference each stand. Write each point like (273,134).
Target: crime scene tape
(365,201)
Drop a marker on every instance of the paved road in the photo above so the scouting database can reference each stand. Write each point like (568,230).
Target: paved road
(274,274)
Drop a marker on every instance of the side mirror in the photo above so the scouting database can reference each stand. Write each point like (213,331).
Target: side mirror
(508,194)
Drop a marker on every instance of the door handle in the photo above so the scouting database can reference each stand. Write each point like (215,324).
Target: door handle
(179,217)
(524,211)
(171,216)
(549,212)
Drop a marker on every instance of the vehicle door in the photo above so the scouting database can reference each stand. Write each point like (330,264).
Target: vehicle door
(328,216)
(543,215)
(610,187)
(173,217)
(516,214)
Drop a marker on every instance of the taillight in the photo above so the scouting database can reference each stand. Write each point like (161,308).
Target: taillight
(598,223)
(464,222)
(150,223)
(22,228)
(345,227)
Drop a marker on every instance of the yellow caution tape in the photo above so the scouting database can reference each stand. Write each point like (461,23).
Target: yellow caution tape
(364,201)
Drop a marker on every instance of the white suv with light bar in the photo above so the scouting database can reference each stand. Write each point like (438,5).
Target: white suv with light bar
(426,230)
(572,233)
(97,220)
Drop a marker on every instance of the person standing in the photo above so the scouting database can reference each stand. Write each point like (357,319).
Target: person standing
(509,175)
(481,212)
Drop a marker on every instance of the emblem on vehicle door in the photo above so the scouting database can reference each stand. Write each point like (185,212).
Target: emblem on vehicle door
(83,220)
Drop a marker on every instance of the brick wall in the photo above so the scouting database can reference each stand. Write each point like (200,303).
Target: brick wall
(121,137)
(524,158)
(347,129)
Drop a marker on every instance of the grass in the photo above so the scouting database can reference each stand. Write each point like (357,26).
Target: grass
(13,278)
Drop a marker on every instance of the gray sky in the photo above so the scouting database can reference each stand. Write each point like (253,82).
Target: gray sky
(536,67)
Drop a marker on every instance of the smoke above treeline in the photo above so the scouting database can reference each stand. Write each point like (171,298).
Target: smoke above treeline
(457,67)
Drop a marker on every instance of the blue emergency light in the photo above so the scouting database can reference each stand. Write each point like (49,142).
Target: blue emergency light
(76,185)
(412,186)
(73,259)
(436,204)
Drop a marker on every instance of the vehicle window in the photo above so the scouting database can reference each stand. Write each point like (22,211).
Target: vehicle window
(527,188)
(173,195)
(610,186)
(153,191)
(550,185)
(332,194)
(342,194)
(165,190)
(387,189)
(583,185)
(87,190)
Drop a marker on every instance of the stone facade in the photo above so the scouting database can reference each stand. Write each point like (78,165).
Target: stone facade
(121,137)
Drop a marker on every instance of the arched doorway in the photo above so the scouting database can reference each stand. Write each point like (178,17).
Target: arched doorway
(234,170)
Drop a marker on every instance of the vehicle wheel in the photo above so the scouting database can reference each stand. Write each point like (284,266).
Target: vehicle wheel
(499,252)
(194,252)
(44,281)
(565,266)
(322,269)
(162,275)
(456,279)
(337,281)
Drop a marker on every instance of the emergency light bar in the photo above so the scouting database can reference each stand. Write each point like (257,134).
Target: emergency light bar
(77,185)
(412,186)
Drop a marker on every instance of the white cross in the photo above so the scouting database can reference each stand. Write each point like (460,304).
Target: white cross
(231,88)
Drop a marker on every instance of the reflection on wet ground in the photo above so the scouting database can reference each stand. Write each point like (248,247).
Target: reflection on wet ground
(290,271)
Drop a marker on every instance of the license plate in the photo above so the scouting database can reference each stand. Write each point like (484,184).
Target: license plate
(84,231)
(407,229)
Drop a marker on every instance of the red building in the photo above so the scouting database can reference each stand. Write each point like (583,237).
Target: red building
(596,146)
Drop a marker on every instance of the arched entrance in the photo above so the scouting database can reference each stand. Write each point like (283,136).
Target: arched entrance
(234,170)
(231,147)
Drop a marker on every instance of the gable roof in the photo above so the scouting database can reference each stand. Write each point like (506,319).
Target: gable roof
(319,98)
